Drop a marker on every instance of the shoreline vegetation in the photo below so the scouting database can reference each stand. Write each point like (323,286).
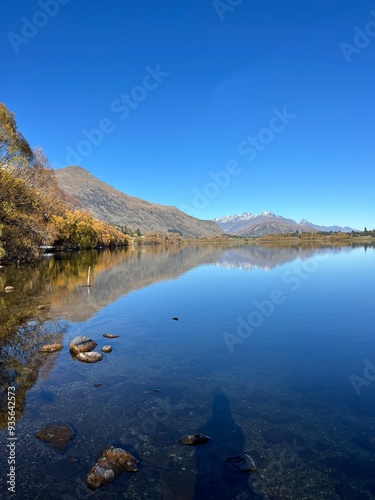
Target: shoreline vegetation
(34,212)
(36,216)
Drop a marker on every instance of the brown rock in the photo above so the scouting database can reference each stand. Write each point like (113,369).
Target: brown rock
(194,439)
(111,463)
(82,344)
(241,463)
(106,348)
(57,435)
(51,347)
(89,357)
(110,336)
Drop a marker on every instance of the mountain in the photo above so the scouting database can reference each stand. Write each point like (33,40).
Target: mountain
(345,229)
(265,223)
(238,224)
(110,205)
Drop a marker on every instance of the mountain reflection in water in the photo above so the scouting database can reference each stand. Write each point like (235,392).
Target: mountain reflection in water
(280,396)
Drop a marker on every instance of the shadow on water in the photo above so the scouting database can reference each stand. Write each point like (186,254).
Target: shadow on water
(214,480)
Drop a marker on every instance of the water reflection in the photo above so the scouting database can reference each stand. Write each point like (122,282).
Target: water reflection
(22,363)
(54,288)
(59,281)
(281,394)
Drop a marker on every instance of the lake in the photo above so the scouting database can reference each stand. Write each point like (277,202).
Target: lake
(271,354)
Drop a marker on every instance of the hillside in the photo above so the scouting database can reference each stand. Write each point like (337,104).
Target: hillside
(110,205)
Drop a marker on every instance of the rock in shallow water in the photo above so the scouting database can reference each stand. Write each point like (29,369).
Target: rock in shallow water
(241,463)
(57,435)
(51,347)
(82,344)
(194,439)
(106,348)
(89,357)
(110,336)
(111,463)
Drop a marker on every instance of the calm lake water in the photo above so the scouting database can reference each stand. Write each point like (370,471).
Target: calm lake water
(273,355)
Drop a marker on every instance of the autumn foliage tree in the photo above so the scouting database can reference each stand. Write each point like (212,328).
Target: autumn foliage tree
(34,212)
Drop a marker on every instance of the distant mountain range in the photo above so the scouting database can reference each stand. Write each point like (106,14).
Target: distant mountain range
(265,223)
(110,205)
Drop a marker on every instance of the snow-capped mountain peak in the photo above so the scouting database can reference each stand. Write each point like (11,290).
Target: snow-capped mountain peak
(268,223)
(235,218)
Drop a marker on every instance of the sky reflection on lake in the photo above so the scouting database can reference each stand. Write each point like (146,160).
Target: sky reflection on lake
(272,355)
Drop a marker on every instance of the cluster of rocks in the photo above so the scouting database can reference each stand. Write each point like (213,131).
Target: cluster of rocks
(110,464)
(237,464)
(113,460)
(82,348)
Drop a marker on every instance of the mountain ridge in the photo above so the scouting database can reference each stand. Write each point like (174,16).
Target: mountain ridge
(110,205)
(250,225)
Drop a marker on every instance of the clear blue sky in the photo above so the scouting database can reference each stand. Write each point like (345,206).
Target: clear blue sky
(180,88)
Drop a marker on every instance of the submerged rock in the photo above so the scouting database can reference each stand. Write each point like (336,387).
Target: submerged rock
(51,347)
(175,319)
(194,439)
(106,348)
(110,336)
(89,357)
(82,344)
(57,435)
(111,463)
(241,463)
